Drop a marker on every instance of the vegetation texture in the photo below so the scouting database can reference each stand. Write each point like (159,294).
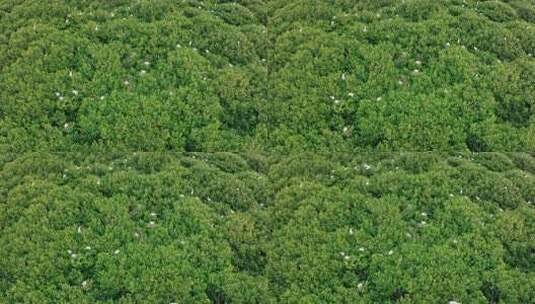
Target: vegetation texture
(267,151)
(341,75)
(227,228)
(395,75)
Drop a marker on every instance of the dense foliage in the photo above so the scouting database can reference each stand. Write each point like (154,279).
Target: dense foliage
(275,75)
(227,228)
(145,75)
(403,75)
(267,151)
